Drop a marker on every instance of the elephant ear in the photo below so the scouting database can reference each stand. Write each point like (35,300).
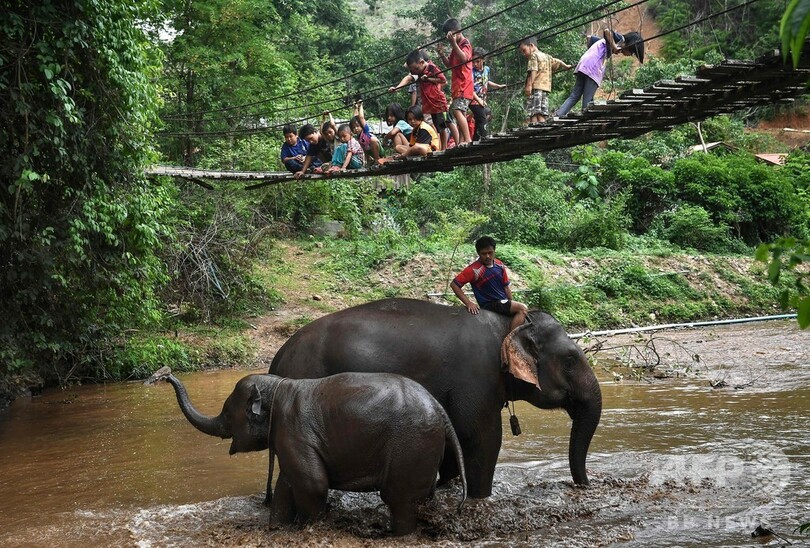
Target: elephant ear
(255,401)
(517,362)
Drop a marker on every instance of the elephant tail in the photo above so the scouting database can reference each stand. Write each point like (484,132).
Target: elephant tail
(452,440)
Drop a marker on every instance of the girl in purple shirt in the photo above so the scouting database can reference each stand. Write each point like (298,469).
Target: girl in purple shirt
(591,67)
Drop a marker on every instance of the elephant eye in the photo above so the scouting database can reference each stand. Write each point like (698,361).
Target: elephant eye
(571,361)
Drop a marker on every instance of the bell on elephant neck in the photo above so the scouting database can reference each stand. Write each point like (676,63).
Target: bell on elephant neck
(514,423)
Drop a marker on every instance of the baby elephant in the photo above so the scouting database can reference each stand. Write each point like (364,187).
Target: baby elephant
(351,431)
(354,432)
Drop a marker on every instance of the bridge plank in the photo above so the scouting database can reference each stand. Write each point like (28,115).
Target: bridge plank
(725,87)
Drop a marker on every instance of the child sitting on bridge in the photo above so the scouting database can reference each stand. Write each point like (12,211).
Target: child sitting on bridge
(490,284)
(400,129)
(294,150)
(349,154)
(318,149)
(424,139)
(362,132)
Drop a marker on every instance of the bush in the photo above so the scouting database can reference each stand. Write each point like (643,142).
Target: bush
(596,224)
(211,257)
(691,226)
(758,201)
(79,225)
(650,189)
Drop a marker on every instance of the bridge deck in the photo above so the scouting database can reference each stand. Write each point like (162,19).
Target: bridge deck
(715,89)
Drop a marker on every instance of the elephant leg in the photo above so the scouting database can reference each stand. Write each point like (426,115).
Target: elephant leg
(311,491)
(282,509)
(403,517)
(481,455)
(410,479)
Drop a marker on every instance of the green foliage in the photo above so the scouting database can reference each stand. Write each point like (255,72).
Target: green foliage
(691,227)
(140,357)
(235,52)
(586,185)
(597,224)
(659,148)
(79,227)
(298,206)
(789,254)
(526,202)
(211,258)
(738,34)
(759,202)
(793,29)
(650,189)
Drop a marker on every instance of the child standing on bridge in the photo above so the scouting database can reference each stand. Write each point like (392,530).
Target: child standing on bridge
(591,67)
(481,85)
(538,79)
(431,80)
(490,284)
(461,86)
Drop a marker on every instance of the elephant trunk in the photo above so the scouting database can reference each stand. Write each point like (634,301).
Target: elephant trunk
(213,426)
(585,416)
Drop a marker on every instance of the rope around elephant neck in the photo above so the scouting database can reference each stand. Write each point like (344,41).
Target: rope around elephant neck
(272,404)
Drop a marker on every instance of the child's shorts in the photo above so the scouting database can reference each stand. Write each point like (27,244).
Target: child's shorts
(440,120)
(537,103)
(503,307)
(460,103)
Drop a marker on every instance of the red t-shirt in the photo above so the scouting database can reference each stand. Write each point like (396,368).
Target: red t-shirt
(462,83)
(433,99)
(488,283)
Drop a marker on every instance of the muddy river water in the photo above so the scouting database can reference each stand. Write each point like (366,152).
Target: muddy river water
(674,462)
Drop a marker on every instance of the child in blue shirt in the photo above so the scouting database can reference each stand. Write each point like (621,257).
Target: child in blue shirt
(294,150)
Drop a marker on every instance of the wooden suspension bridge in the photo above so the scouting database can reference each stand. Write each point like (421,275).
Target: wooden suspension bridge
(714,89)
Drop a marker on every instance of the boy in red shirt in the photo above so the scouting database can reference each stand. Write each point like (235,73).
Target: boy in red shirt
(431,80)
(490,284)
(461,87)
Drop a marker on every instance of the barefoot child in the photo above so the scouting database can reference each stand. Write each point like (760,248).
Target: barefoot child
(538,79)
(349,154)
(431,80)
(424,139)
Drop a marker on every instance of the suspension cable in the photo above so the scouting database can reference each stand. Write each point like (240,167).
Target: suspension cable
(498,51)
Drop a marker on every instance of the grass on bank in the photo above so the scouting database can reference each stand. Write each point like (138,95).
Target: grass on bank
(651,282)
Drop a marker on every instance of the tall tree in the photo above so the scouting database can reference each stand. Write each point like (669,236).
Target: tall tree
(78,222)
(224,54)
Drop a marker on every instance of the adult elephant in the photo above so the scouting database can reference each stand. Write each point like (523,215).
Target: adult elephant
(457,356)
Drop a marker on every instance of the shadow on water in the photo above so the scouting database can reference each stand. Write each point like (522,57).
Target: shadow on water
(673,463)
